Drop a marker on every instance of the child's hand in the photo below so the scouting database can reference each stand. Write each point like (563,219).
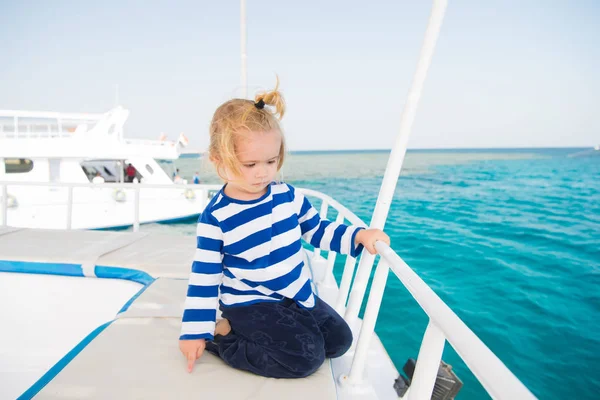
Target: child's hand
(192,350)
(368,237)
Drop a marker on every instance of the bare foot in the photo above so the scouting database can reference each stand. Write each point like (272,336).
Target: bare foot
(222,327)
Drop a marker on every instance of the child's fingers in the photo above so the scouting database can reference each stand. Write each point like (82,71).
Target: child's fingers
(386,239)
(191,357)
(199,352)
(383,238)
(371,248)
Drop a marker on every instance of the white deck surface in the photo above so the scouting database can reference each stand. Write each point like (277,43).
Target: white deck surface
(38,314)
(137,355)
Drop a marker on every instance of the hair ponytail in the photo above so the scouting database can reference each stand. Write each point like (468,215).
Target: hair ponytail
(273,99)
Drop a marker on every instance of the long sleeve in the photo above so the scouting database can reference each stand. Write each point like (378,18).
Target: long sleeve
(202,298)
(322,233)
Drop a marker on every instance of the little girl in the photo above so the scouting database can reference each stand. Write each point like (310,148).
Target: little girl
(249,254)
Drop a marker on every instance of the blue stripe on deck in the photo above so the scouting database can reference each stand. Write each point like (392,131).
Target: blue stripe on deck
(128,274)
(75,270)
(41,268)
(60,365)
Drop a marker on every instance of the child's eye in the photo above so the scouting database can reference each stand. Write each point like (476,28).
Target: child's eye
(272,161)
(249,165)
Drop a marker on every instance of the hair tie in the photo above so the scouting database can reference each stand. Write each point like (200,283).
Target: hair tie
(260,104)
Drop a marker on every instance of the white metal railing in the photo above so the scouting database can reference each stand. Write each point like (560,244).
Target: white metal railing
(16,124)
(136,187)
(443,325)
(50,115)
(343,214)
(35,124)
(36,131)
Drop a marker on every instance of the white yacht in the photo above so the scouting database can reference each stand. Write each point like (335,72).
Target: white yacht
(62,150)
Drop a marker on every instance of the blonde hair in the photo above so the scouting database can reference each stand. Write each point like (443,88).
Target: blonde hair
(235,118)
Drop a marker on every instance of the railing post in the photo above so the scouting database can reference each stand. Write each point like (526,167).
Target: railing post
(428,363)
(323,215)
(328,278)
(203,198)
(136,209)
(345,284)
(392,170)
(369,320)
(70,207)
(4,206)
(360,286)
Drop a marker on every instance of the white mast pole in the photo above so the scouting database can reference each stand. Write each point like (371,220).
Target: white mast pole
(392,171)
(243,48)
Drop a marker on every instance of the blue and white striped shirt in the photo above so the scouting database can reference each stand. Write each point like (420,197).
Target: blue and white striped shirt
(251,251)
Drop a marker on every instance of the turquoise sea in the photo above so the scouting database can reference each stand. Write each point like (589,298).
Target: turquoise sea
(509,239)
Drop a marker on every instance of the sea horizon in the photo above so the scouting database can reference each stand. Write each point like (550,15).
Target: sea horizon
(422,150)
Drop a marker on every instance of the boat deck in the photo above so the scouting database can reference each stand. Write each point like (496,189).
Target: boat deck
(136,354)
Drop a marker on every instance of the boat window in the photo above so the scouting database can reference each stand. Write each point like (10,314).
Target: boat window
(149,169)
(110,170)
(107,171)
(18,165)
(87,171)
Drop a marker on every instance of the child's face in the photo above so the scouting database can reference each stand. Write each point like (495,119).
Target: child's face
(258,153)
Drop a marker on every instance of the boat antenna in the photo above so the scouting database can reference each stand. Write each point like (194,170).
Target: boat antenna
(116,95)
(243,40)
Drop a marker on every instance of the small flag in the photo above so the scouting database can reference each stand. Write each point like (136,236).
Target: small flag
(183,140)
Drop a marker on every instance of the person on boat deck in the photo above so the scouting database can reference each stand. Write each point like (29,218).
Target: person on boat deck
(178,178)
(249,259)
(196,178)
(98,178)
(130,172)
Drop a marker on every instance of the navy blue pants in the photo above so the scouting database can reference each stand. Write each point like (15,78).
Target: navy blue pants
(281,340)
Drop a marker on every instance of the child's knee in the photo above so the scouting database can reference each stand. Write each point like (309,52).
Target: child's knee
(310,354)
(342,342)
(279,364)
(304,367)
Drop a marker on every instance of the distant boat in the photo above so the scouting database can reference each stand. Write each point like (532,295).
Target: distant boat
(67,148)
(592,152)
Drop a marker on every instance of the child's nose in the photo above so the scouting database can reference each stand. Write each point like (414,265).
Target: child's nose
(261,171)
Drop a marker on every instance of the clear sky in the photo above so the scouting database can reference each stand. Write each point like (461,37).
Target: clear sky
(505,73)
